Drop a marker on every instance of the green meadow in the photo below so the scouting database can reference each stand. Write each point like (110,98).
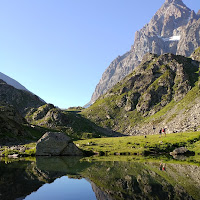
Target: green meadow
(129,145)
(140,145)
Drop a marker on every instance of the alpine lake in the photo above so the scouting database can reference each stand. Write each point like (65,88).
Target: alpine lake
(102,178)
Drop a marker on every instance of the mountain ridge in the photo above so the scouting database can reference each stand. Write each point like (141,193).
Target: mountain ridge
(22,100)
(12,82)
(163,91)
(173,29)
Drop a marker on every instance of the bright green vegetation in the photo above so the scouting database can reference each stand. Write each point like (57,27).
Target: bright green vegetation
(25,150)
(75,109)
(190,160)
(140,145)
(105,113)
(196,54)
(8,160)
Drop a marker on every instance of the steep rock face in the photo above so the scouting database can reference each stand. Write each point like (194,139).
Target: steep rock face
(48,115)
(190,39)
(196,56)
(22,100)
(173,29)
(160,92)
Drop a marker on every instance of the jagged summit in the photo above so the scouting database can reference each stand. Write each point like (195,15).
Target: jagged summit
(173,29)
(174,1)
(169,19)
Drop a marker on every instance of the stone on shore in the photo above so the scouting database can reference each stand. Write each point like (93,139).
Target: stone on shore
(180,151)
(56,144)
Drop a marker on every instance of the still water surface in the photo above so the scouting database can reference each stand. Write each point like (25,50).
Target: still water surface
(64,188)
(78,179)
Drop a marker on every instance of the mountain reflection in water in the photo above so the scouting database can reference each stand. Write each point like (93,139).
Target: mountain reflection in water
(75,178)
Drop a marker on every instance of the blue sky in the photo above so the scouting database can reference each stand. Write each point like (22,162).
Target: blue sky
(58,49)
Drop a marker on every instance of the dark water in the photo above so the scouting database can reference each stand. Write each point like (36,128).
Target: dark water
(78,179)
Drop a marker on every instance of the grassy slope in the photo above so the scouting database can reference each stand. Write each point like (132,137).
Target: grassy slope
(71,122)
(188,101)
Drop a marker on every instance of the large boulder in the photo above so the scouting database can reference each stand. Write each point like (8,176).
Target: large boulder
(56,144)
(181,151)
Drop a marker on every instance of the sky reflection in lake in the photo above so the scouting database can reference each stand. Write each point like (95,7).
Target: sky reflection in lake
(64,188)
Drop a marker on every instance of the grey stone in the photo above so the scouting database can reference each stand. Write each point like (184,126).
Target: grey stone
(56,144)
(71,150)
(180,150)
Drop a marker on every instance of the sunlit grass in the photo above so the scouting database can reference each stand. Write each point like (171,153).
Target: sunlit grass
(140,144)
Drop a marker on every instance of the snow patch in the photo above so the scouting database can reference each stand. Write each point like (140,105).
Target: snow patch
(173,38)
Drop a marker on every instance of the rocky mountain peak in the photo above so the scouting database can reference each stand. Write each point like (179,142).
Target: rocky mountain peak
(169,19)
(173,1)
(173,29)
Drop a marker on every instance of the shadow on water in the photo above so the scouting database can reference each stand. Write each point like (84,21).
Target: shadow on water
(113,180)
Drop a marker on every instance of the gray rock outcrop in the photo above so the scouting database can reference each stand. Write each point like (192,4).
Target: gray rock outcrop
(180,151)
(49,116)
(173,29)
(56,144)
